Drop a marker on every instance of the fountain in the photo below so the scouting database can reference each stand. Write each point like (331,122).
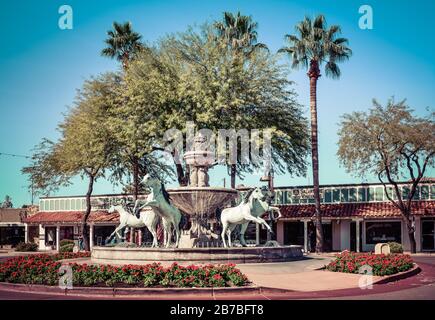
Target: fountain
(198,200)
(201,243)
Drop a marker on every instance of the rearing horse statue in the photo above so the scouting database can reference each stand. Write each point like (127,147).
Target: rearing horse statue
(147,218)
(253,206)
(158,199)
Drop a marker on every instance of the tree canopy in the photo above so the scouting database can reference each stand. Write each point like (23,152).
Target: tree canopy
(220,88)
(393,144)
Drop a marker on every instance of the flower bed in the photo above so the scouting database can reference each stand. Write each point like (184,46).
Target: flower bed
(381,264)
(43,269)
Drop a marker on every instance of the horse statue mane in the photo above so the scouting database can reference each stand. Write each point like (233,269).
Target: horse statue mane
(248,194)
(165,193)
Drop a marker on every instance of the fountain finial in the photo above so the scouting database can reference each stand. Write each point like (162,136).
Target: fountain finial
(199,160)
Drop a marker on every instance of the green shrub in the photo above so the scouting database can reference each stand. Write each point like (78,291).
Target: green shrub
(65,242)
(29,246)
(395,247)
(69,247)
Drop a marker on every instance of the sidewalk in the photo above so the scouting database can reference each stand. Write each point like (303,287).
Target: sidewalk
(303,275)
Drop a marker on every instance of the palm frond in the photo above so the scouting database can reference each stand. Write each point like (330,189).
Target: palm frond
(314,41)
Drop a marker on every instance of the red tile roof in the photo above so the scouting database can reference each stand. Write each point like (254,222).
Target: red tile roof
(363,210)
(72,217)
(335,210)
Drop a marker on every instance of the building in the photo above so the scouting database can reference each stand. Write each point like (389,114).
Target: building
(355,217)
(12,228)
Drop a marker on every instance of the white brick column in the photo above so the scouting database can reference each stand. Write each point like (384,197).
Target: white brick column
(417,233)
(139,232)
(344,235)
(358,238)
(91,236)
(57,237)
(41,237)
(26,233)
(306,236)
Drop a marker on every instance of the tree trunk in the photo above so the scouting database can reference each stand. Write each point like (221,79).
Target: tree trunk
(135,178)
(233,176)
(84,229)
(314,74)
(411,233)
(233,171)
(181,177)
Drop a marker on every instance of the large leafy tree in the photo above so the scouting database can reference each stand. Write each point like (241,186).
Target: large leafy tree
(312,45)
(239,33)
(139,114)
(85,148)
(390,143)
(218,88)
(124,45)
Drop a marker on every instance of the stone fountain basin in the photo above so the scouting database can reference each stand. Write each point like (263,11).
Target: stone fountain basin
(201,200)
(122,255)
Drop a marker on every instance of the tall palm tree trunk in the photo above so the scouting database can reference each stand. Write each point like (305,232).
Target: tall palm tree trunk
(314,74)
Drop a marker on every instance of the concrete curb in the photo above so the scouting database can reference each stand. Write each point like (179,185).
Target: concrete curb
(108,292)
(129,292)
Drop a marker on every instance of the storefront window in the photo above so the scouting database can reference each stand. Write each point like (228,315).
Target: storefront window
(424,192)
(391,192)
(416,194)
(285,197)
(362,194)
(352,195)
(344,197)
(78,204)
(383,232)
(432,191)
(405,192)
(371,194)
(328,196)
(336,195)
(379,194)
(278,197)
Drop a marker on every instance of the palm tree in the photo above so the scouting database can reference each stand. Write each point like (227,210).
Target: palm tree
(313,45)
(124,44)
(240,33)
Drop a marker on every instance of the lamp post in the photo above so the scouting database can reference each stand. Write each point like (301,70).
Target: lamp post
(269,179)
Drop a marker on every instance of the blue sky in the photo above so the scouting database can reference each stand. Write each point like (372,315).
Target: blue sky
(41,66)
